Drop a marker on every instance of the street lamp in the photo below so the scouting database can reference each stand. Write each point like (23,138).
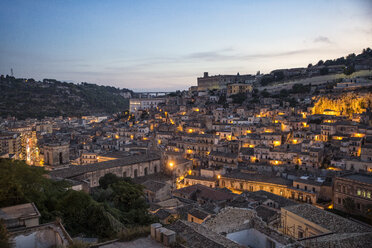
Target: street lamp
(171,165)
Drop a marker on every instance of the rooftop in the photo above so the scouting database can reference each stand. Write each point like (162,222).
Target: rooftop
(360,178)
(327,220)
(82,169)
(22,211)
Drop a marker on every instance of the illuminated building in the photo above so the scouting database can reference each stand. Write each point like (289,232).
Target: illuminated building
(56,154)
(356,187)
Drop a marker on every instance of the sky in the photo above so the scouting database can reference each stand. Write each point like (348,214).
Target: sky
(165,45)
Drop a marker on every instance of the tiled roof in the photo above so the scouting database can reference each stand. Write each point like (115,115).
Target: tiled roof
(198,213)
(82,169)
(197,236)
(258,178)
(327,220)
(153,186)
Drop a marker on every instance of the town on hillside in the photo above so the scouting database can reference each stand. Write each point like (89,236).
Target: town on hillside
(282,159)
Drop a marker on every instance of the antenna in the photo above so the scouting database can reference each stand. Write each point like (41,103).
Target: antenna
(11,72)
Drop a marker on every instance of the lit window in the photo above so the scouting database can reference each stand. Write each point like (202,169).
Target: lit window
(368,194)
(359,192)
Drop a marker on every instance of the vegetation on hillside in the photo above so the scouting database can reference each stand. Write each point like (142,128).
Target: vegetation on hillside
(25,98)
(119,205)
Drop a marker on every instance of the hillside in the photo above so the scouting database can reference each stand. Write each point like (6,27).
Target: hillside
(25,98)
(343,65)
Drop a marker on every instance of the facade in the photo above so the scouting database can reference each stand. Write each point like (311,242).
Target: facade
(157,191)
(137,104)
(221,81)
(132,166)
(237,88)
(10,145)
(57,153)
(306,221)
(240,182)
(197,216)
(356,187)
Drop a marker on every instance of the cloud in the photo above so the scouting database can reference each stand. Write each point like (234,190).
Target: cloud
(219,55)
(322,39)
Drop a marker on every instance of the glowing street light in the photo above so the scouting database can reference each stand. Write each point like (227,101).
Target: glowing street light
(171,164)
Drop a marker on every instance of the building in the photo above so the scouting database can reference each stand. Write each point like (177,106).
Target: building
(352,193)
(239,182)
(133,166)
(20,216)
(157,191)
(197,215)
(306,221)
(137,104)
(237,88)
(10,145)
(57,153)
(221,81)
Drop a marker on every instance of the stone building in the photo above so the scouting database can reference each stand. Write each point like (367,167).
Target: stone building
(20,216)
(239,182)
(10,144)
(306,221)
(133,166)
(358,188)
(237,88)
(57,153)
(221,81)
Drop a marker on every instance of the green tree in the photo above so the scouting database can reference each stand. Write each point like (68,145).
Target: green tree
(349,70)
(4,235)
(107,180)
(239,98)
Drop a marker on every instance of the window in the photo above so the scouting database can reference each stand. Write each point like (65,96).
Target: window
(300,234)
(314,189)
(363,193)
(339,200)
(298,186)
(369,194)
(358,206)
(305,187)
(359,192)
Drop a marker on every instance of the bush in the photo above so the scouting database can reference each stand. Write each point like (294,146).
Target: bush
(134,233)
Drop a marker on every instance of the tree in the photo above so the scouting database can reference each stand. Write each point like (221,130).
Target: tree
(349,70)
(107,180)
(264,93)
(283,93)
(4,235)
(324,71)
(278,75)
(320,63)
(239,98)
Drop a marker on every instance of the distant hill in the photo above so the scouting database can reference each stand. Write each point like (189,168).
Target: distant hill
(345,65)
(25,98)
